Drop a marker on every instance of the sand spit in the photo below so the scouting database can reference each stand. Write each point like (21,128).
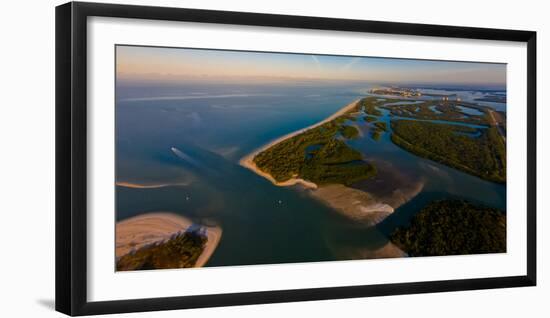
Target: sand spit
(149,186)
(248,160)
(152,228)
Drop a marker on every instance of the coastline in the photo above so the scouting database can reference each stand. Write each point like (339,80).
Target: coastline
(248,160)
(214,235)
(151,228)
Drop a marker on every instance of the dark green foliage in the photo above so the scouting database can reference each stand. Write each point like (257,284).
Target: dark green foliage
(377,130)
(333,162)
(336,162)
(369,105)
(349,132)
(179,252)
(376,134)
(484,156)
(370,119)
(340,120)
(334,152)
(286,159)
(453,227)
(338,174)
(447,110)
(381,125)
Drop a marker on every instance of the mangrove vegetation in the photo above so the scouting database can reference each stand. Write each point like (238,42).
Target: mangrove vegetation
(483,156)
(317,155)
(181,251)
(453,227)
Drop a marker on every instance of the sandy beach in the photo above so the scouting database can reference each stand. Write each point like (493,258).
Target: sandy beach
(248,160)
(137,232)
(148,186)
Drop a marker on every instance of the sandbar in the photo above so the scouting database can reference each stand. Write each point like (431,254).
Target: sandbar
(149,186)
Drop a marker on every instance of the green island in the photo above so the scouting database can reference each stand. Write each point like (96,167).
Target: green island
(377,130)
(317,155)
(370,119)
(381,125)
(181,251)
(349,132)
(453,227)
(376,134)
(483,156)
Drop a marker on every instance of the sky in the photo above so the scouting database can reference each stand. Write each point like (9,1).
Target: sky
(157,64)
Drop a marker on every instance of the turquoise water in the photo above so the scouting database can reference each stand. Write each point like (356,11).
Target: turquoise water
(213,126)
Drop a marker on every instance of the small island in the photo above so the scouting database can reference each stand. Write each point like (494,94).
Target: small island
(370,119)
(163,240)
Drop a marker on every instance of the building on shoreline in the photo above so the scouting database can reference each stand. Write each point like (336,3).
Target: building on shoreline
(396,91)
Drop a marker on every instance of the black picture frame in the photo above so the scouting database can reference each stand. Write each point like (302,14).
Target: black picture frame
(71,157)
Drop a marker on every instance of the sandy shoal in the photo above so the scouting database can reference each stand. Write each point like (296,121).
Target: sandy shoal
(149,186)
(362,206)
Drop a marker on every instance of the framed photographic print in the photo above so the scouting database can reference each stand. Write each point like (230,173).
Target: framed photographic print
(208,158)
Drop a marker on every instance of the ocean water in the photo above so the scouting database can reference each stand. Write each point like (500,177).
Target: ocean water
(189,139)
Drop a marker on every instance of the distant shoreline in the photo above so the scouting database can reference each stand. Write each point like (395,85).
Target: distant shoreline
(248,160)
